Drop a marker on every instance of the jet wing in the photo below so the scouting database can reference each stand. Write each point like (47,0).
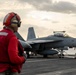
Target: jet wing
(27,44)
(42,41)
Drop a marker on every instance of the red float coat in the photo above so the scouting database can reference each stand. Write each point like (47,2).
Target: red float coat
(9,53)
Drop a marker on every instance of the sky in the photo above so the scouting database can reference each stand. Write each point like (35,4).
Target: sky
(45,16)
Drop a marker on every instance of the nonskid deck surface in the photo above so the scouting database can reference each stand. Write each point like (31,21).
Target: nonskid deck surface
(49,66)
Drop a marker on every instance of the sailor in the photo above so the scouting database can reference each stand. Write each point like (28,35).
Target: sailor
(10,58)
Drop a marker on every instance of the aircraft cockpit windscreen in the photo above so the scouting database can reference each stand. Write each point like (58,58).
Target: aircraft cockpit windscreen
(61,34)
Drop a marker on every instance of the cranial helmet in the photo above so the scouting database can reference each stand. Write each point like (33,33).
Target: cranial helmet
(8,19)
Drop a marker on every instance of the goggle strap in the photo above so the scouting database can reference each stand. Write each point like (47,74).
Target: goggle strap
(18,23)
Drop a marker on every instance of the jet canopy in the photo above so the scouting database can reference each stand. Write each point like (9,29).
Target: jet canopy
(60,34)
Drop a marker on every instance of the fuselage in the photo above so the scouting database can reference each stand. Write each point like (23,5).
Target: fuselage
(65,41)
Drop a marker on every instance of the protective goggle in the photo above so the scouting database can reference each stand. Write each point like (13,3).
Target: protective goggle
(17,23)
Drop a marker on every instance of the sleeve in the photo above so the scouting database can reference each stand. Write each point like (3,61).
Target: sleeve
(13,52)
(20,49)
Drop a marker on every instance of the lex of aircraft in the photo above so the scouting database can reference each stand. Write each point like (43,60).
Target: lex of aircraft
(49,45)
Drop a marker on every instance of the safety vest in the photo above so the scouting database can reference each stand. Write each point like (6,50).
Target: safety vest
(5,36)
(13,60)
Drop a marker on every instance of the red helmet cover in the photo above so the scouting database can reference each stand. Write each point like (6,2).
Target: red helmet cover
(8,17)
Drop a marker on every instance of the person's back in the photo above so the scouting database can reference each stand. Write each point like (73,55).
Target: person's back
(9,53)
(5,35)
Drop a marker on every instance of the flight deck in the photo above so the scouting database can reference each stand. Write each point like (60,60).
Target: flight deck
(49,66)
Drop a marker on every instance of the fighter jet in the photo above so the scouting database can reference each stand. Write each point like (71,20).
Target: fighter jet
(49,45)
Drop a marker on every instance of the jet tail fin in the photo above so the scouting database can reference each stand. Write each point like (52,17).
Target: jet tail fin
(31,33)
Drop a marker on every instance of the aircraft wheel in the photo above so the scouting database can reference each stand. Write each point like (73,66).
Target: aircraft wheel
(28,56)
(61,56)
(45,56)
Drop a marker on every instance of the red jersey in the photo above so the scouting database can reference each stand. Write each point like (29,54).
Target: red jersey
(9,53)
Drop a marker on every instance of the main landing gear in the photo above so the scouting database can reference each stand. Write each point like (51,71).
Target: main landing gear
(61,55)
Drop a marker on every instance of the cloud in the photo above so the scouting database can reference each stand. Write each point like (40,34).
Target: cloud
(65,7)
(55,22)
(43,5)
(35,2)
(49,5)
(14,5)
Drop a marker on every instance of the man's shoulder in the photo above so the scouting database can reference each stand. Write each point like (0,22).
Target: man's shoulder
(9,33)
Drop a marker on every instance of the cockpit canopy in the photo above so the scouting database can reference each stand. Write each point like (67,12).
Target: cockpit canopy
(60,34)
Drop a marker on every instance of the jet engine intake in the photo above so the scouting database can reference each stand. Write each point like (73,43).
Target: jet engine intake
(25,44)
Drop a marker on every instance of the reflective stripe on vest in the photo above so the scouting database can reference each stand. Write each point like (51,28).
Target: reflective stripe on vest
(3,34)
